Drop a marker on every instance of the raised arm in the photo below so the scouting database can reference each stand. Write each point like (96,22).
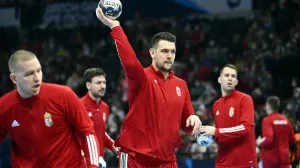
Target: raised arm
(134,70)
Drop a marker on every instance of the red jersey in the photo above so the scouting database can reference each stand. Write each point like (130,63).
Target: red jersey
(43,129)
(278,135)
(99,113)
(234,120)
(158,107)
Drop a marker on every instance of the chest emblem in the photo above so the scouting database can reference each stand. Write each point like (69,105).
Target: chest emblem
(217,113)
(48,119)
(90,114)
(231,112)
(178,91)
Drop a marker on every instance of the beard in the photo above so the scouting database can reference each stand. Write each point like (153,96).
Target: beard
(162,68)
(98,94)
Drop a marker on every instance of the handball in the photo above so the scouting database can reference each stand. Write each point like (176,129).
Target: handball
(205,140)
(111,8)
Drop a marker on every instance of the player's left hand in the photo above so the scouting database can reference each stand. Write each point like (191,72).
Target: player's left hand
(116,149)
(194,121)
(208,130)
(259,140)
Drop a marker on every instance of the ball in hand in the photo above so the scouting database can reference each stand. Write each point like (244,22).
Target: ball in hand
(205,140)
(111,8)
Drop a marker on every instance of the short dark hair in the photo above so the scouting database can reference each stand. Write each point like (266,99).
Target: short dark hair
(92,72)
(163,36)
(229,66)
(274,103)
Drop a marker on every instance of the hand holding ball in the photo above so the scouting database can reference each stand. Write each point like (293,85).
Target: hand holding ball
(112,9)
(205,139)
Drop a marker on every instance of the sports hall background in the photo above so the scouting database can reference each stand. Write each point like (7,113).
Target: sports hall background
(261,38)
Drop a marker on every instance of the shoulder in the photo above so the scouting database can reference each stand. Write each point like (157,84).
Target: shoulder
(55,89)
(243,96)
(179,81)
(104,104)
(217,102)
(8,100)
(83,99)
(284,118)
(9,96)
(267,119)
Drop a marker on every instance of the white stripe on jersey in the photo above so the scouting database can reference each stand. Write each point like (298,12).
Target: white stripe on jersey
(92,146)
(232,129)
(109,137)
(123,160)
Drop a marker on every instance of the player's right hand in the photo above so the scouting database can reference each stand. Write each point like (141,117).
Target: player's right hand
(105,20)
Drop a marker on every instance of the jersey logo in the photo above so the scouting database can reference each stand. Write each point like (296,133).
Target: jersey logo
(155,81)
(178,91)
(15,123)
(217,113)
(90,114)
(48,119)
(231,112)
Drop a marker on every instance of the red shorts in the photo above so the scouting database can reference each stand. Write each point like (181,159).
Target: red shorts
(270,164)
(128,161)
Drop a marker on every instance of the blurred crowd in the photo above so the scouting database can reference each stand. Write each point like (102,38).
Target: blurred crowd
(264,46)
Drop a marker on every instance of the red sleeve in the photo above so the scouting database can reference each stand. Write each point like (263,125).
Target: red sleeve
(292,135)
(267,133)
(245,126)
(78,117)
(108,142)
(2,133)
(107,115)
(2,130)
(187,111)
(133,68)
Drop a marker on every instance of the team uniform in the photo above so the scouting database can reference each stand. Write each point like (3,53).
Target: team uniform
(158,108)
(44,129)
(99,113)
(234,121)
(278,135)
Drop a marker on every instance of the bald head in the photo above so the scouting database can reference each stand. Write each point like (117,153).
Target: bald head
(19,57)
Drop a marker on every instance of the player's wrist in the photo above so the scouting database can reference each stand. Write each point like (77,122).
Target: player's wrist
(114,25)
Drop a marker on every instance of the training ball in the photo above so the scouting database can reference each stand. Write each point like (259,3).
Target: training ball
(111,8)
(205,140)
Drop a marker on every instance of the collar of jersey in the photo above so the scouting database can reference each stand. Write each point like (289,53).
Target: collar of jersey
(159,74)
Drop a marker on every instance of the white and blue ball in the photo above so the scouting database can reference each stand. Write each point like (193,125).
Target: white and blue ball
(205,140)
(111,8)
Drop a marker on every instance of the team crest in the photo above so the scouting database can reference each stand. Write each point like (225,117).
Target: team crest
(231,112)
(104,116)
(178,91)
(48,119)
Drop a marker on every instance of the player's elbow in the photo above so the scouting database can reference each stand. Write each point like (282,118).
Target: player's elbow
(246,130)
(267,143)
